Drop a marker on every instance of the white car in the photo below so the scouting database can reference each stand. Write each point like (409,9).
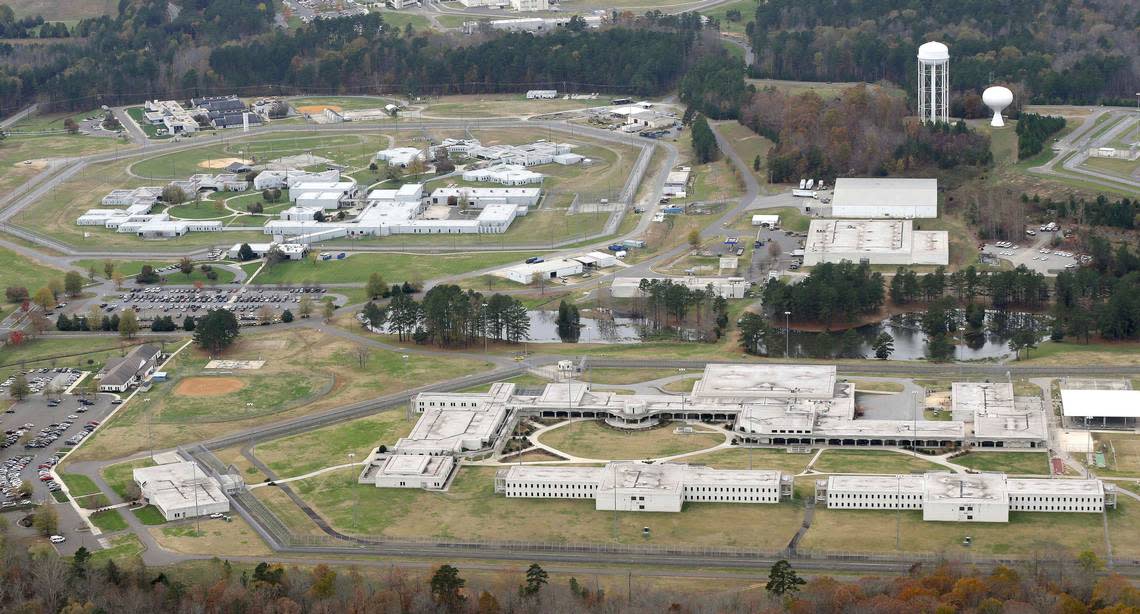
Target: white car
(217,516)
(57,539)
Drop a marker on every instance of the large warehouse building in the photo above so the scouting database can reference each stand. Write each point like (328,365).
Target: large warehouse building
(958,497)
(181,490)
(1100,403)
(885,198)
(875,242)
(641,487)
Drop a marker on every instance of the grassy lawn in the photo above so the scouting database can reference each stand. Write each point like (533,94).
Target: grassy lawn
(216,537)
(1034,463)
(306,372)
(870,461)
(149,515)
(15,149)
(88,353)
(21,271)
(625,376)
(201,210)
(790,219)
(122,549)
(287,511)
(109,521)
(470,509)
(526,380)
(1025,533)
(757,458)
(875,386)
(138,114)
(394,268)
(400,19)
(79,485)
(324,447)
(1121,453)
(53,10)
(590,439)
(1065,353)
(347,103)
(120,475)
(747,143)
(503,105)
(681,385)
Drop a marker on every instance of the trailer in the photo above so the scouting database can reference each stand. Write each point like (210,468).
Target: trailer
(804,193)
(672,210)
(633,243)
(803,183)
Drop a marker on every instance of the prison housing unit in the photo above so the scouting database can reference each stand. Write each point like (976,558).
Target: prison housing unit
(642,487)
(399,156)
(285,177)
(885,198)
(449,425)
(1100,403)
(874,242)
(726,287)
(996,418)
(964,497)
(181,490)
(677,182)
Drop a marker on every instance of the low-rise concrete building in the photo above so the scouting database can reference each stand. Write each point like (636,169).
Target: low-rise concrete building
(181,490)
(677,182)
(878,197)
(123,373)
(727,287)
(874,242)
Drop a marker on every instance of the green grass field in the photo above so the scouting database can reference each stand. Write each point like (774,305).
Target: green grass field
(590,439)
(109,521)
(756,458)
(55,10)
(625,376)
(394,268)
(471,509)
(870,461)
(1034,463)
(16,149)
(123,549)
(328,446)
(347,103)
(149,515)
(21,271)
(79,485)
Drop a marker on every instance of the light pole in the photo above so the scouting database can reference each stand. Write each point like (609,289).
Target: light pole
(787,334)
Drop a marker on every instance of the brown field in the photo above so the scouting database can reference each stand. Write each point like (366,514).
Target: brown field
(221,162)
(208,386)
(309,109)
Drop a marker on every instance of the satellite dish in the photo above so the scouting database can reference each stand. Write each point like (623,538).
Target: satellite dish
(997,98)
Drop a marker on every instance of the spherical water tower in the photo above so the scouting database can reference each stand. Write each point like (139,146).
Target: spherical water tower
(997,98)
(934,82)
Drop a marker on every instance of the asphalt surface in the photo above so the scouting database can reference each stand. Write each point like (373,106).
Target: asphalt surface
(1075,145)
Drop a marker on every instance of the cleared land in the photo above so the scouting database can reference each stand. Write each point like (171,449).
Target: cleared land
(748,144)
(1035,463)
(870,461)
(589,439)
(346,103)
(506,105)
(331,445)
(1025,533)
(394,268)
(314,373)
(235,537)
(123,549)
(58,10)
(21,271)
(1121,453)
(17,149)
(471,509)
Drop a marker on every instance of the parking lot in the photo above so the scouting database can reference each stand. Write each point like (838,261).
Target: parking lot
(247,303)
(1035,257)
(34,431)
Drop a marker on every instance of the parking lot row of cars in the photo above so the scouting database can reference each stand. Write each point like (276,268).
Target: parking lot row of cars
(10,480)
(38,379)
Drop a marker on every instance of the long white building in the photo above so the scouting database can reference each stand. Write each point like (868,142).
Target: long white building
(885,198)
(181,490)
(643,487)
(875,242)
(965,497)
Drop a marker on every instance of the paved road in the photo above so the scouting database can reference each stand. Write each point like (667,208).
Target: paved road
(1072,149)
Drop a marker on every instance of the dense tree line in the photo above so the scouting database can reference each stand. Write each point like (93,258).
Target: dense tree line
(704,141)
(1034,130)
(1050,50)
(1103,298)
(1019,287)
(860,132)
(668,307)
(1120,213)
(714,85)
(223,46)
(449,316)
(29,27)
(830,293)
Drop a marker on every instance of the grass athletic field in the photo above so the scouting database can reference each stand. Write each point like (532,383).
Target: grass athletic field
(394,268)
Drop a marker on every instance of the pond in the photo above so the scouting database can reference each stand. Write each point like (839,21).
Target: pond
(910,342)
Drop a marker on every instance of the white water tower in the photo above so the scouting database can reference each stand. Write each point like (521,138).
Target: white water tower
(934,82)
(997,98)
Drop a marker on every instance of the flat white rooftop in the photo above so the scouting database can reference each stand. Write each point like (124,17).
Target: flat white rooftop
(965,487)
(1100,403)
(758,381)
(877,241)
(884,193)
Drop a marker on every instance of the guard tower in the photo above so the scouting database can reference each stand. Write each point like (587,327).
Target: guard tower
(934,82)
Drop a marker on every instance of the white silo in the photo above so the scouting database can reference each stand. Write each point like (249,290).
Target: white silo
(934,82)
(997,98)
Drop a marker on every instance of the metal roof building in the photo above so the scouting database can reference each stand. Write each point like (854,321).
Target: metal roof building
(885,198)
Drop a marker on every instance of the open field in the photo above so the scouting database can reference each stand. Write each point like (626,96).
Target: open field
(123,549)
(120,475)
(109,521)
(824,90)
(149,515)
(790,219)
(870,461)
(1120,168)
(526,380)
(1096,353)
(57,10)
(470,509)
(1034,463)
(748,144)
(331,445)
(319,373)
(20,271)
(15,150)
(607,375)
(216,537)
(505,105)
(394,268)
(401,19)
(756,458)
(680,385)
(590,439)
(347,103)
(1046,534)
(288,512)
(1121,453)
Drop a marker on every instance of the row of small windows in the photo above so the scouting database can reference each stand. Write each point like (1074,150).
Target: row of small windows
(551,495)
(1056,508)
(858,495)
(1055,499)
(558,486)
(446,404)
(726,489)
(874,504)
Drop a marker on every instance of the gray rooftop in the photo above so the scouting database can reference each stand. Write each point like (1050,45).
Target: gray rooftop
(755,380)
(882,192)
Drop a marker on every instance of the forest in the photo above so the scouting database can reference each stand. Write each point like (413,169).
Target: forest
(669,308)
(231,46)
(448,316)
(1053,51)
(1034,130)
